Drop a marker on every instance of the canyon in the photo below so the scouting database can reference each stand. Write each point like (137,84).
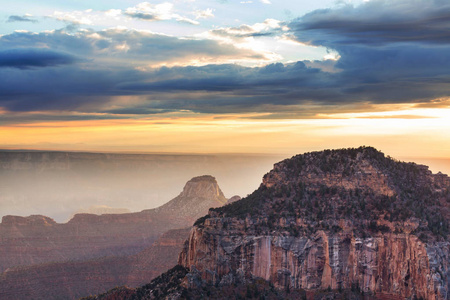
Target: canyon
(42,259)
(334,224)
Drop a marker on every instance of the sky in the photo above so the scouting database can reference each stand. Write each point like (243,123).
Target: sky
(225,76)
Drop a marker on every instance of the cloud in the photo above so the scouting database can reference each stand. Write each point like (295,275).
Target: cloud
(143,11)
(213,88)
(113,12)
(75,17)
(18,118)
(27,58)
(105,61)
(377,23)
(389,51)
(25,18)
(381,60)
(405,117)
(204,14)
(156,12)
(269,27)
(131,48)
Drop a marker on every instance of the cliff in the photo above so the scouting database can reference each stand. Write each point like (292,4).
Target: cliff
(349,219)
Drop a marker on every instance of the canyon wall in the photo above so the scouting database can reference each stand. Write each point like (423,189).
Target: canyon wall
(390,264)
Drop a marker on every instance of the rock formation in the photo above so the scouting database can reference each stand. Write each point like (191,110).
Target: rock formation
(57,184)
(38,239)
(198,195)
(340,220)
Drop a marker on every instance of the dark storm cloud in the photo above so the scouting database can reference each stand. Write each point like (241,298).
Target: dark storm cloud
(64,88)
(390,52)
(20,19)
(110,59)
(26,58)
(232,78)
(377,23)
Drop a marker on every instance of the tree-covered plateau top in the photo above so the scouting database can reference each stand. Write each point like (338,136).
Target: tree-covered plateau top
(373,191)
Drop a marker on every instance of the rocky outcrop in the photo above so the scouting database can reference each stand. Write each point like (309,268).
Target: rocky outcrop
(33,221)
(198,195)
(342,219)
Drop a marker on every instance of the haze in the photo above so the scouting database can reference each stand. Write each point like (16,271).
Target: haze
(202,77)
(58,184)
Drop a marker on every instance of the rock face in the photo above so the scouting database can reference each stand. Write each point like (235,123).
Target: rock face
(342,219)
(391,264)
(32,240)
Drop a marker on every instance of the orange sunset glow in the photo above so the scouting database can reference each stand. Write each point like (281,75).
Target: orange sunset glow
(425,132)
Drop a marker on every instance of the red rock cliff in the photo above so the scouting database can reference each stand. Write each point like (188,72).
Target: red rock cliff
(395,264)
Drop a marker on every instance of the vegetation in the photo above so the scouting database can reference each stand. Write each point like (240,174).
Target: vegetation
(311,188)
(168,285)
(201,220)
(165,284)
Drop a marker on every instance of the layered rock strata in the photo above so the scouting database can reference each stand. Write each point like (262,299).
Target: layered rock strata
(389,264)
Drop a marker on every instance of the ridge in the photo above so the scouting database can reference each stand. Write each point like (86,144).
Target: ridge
(359,184)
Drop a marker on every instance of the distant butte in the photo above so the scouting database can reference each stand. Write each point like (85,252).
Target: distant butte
(27,242)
